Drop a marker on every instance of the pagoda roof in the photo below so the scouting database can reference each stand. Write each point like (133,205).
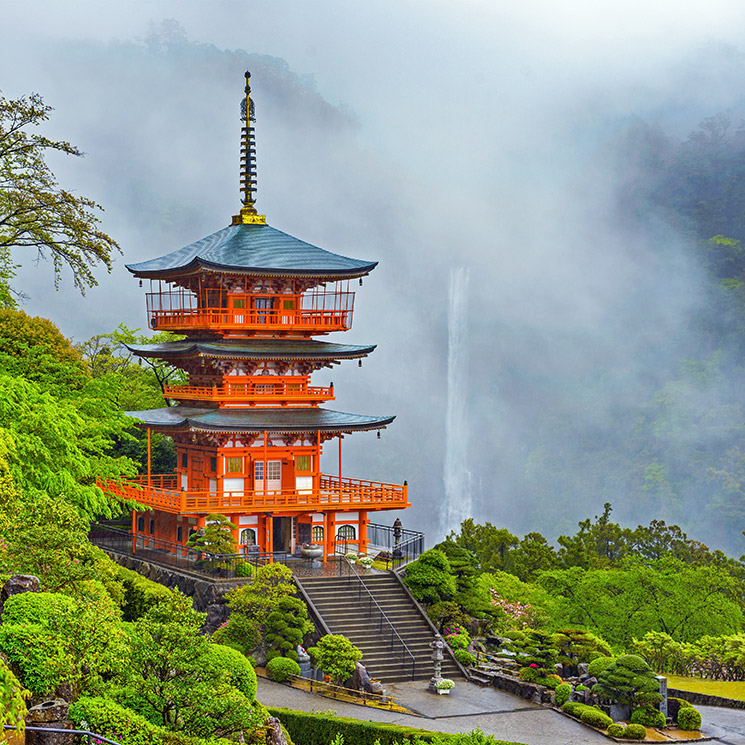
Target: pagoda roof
(311,419)
(257,249)
(264,349)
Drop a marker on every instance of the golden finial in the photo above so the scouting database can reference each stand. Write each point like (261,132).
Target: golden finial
(248,212)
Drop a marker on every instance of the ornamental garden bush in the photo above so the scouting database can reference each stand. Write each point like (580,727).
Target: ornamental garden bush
(626,678)
(464,657)
(280,668)
(595,718)
(286,626)
(562,692)
(635,732)
(222,661)
(648,716)
(689,718)
(336,656)
(616,729)
(598,665)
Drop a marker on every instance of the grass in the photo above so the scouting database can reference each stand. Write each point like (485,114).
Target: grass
(727,688)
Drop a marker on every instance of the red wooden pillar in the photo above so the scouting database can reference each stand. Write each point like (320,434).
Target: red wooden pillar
(362,535)
(134,531)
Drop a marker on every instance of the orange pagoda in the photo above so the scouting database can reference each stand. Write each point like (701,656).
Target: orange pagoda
(249,427)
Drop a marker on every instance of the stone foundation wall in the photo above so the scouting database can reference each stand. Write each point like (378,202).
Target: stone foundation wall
(538,694)
(208,596)
(705,699)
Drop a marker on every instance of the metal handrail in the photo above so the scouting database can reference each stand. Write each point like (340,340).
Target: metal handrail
(54,730)
(383,617)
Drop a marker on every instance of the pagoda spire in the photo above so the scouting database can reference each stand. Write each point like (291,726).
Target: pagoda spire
(248,213)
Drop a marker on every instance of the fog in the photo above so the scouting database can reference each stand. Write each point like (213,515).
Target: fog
(435,137)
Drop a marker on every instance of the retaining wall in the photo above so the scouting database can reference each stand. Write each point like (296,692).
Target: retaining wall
(706,699)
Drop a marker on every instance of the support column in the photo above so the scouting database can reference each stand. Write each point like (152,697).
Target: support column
(340,436)
(331,531)
(362,534)
(149,460)
(269,533)
(134,531)
(325,536)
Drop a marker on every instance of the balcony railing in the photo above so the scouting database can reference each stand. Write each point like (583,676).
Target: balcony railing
(313,312)
(162,493)
(269,394)
(315,321)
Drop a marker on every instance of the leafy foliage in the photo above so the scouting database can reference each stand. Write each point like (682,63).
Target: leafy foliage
(12,699)
(689,718)
(280,668)
(35,213)
(429,577)
(336,656)
(287,625)
(626,679)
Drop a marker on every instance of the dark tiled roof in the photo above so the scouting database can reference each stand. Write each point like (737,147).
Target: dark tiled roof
(258,420)
(254,249)
(265,349)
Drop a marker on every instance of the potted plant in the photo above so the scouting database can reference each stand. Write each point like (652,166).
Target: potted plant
(443,686)
(366,562)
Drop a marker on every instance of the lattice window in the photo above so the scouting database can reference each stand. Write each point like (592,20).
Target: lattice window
(317,534)
(302,463)
(346,533)
(248,537)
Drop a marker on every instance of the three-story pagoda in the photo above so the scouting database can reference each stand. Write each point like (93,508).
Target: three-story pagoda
(249,428)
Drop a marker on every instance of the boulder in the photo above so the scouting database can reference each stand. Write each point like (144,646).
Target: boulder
(275,734)
(360,680)
(49,715)
(582,668)
(17,584)
(54,710)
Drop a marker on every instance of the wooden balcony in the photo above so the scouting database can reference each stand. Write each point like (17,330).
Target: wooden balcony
(255,321)
(162,493)
(279,393)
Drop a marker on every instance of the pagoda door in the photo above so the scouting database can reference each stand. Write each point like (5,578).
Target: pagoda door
(197,481)
(274,475)
(238,306)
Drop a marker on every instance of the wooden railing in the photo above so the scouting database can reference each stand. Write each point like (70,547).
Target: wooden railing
(270,394)
(162,493)
(316,321)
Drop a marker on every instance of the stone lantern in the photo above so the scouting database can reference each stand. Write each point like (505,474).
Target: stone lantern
(437,646)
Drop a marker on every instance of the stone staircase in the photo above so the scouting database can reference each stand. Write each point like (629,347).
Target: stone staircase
(343,606)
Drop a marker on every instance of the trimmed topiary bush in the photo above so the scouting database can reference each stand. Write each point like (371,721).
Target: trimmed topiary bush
(627,677)
(573,708)
(595,718)
(616,729)
(529,674)
(562,693)
(689,718)
(550,681)
(230,664)
(648,716)
(464,657)
(280,668)
(635,732)
(598,665)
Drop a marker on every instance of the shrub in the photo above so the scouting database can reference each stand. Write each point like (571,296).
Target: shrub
(598,665)
(595,718)
(550,681)
(322,729)
(635,732)
(140,594)
(562,692)
(628,676)
(529,674)
(648,716)
(123,725)
(429,577)
(222,661)
(580,687)
(336,656)
(616,729)
(573,708)
(464,657)
(280,668)
(287,625)
(689,718)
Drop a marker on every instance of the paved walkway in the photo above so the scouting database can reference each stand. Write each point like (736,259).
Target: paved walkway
(497,713)
(468,707)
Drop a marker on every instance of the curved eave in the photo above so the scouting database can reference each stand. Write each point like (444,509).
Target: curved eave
(294,351)
(257,421)
(199,264)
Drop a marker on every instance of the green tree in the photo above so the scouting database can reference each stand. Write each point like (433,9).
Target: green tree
(287,625)
(35,212)
(491,546)
(216,536)
(626,680)
(336,656)
(12,700)
(429,578)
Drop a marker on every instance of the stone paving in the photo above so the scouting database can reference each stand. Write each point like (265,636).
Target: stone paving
(468,707)
(495,712)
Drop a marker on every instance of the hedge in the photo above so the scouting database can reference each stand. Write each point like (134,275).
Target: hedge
(321,729)
(115,722)
(635,732)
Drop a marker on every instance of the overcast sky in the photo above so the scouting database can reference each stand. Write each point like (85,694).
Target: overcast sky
(475,123)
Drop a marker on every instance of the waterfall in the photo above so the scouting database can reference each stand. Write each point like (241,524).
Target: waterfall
(457,477)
